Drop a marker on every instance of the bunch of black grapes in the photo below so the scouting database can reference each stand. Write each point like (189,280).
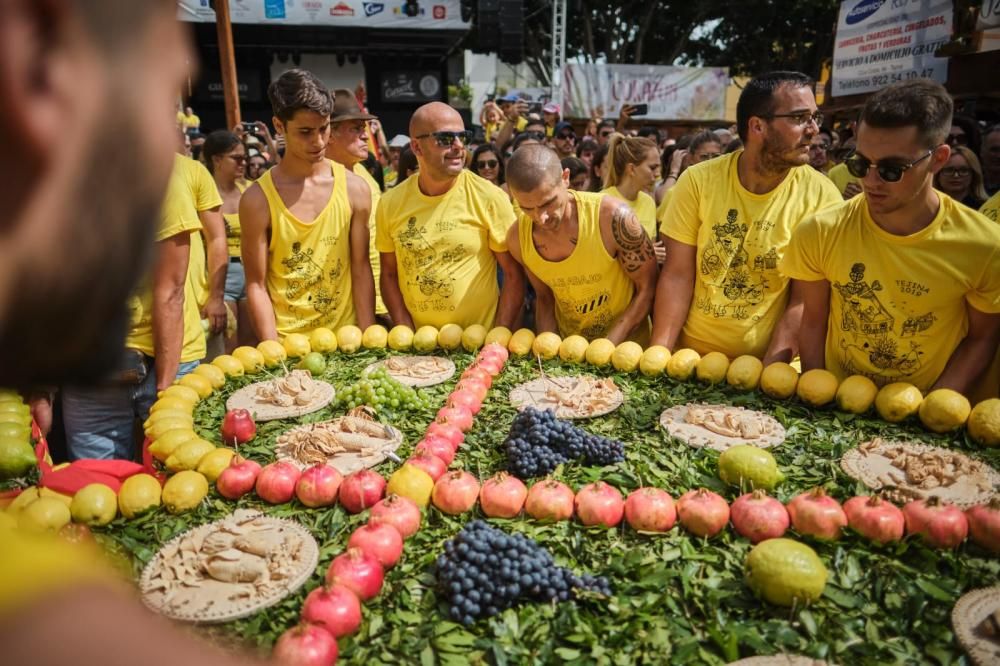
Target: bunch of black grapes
(538,442)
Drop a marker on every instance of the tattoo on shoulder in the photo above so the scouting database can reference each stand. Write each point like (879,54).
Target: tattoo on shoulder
(636,248)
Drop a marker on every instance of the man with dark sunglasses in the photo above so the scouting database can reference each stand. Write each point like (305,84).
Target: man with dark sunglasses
(564,140)
(442,234)
(901,284)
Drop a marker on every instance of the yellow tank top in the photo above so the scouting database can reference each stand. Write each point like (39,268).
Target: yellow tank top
(644,207)
(309,263)
(373,256)
(233,225)
(590,287)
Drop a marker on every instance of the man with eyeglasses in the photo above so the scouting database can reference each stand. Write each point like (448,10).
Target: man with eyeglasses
(442,234)
(900,284)
(727,224)
(819,151)
(564,140)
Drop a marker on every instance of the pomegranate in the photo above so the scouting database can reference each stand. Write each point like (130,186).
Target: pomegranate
(495,349)
(455,492)
(491,364)
(475,386)
(400,512)
(650,510)
(238,479)
(437,446)
(940,525)
(333,607)
(984,525)
(874,518)
(817,514)
(466,399)
(599,504)
(237,427)
(502,496)
(550,500)
(360,490)
(276,482)
(757,516)
(318,486)
(379,539)
(358,571)
(460,416)
(702,512)
(305,645)
(430,463)
(449,432)
(481,375)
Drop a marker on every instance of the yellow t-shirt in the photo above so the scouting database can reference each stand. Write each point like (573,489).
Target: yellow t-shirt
(661,210)
(739,295)
(232,221)
(841,176)
(991,208)
(590,287)
(178,215)
(309,263)
(444,248)
(897,303)
(644,207)
(360,170)
(205,196)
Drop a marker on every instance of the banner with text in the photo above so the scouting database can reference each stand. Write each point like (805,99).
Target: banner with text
(883,41)
(672,93)
(435,15)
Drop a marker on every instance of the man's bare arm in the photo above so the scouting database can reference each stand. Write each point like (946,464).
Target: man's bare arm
(511,293)
(974,353)
(634,252)
(217,258)
(391,294)
(169,278)
(674,291)
(362,278)
(255,222)
(784,344)
(815,298)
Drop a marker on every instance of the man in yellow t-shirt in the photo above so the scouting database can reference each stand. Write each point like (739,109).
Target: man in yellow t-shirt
(727,225)
(991,208)
(188,121)
(442,232)
(586,254)
(901,283)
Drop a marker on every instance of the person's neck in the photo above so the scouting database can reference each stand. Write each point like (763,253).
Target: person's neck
(342,157)
(628,188)
(432,187)
(298,168)
(755,175)
(912,218)
(225,185)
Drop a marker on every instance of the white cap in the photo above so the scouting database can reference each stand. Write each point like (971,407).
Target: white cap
(399,141)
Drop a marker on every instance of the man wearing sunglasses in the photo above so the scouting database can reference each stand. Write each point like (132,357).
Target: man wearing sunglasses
(442,234)
(901,283)
(728,221)
(564,140)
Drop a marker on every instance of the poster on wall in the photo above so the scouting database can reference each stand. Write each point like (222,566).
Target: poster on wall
(420,15)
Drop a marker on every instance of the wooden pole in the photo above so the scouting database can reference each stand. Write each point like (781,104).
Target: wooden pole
(227,62)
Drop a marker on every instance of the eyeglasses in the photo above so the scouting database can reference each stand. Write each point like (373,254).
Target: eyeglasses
(800,118)
(487,164)
(956,172)
(446,139)
(858,166)
(706,156)
(239,159)
(608,133)
(819,146)
(567,135)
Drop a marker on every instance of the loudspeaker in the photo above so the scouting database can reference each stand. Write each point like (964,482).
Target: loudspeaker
(488,25)
(511,31)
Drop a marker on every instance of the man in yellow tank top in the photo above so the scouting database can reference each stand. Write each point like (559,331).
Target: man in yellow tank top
(305,224)
(443,231)
(727,225)
(349,146)
(586,254)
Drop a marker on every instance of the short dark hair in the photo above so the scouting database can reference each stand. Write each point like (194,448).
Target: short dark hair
(532,167)
(607,122)
(575,165)
(587,145)
(701,138)
(921,103)
(298,89)
(757,98)
(487,148)
(650,132)
(218,142)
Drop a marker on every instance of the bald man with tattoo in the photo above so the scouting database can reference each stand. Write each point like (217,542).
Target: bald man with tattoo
(591,264)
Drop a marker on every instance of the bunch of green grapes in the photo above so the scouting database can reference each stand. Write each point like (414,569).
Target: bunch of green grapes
(379,390)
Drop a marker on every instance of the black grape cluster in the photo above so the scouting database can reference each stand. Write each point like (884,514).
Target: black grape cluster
(484,571)
(538,442)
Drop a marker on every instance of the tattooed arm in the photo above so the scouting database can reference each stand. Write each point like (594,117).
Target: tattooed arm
(628,243)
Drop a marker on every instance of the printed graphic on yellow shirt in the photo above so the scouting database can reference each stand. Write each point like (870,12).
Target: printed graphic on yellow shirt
(305,277)
(428,270)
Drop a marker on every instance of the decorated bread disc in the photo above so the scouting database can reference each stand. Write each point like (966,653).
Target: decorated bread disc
(976,619)
(721,426)
(778,660)
(348,443)
(577,397)
(228,569)
(289,396)
(907,471)
(417,371)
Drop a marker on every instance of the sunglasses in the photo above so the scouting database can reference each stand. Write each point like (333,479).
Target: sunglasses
(239,159)
(956,172)
(537,136)
(567,135)
(889,172)
(446,139)
(608,133)
(487,164)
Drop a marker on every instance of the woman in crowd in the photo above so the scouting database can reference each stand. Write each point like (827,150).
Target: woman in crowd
(486,162)
(579,174)
(597,168)
(407,164)
(630,171)
(962,178)
(256,165)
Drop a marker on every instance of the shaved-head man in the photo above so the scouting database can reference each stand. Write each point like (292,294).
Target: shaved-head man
(586,254)
(442,232)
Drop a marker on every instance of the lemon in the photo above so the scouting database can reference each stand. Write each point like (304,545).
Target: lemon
(137,494)
(626,356)
(546,345)
(748,466)
(943,410)
(712,368)
(230,365)
(599,352)
(169,414)
(349,339)
(425,339)
(46,492)
(26,497)
(779,380)
(898,401)
(45,514)
(744,372)
(856,394)
(198,383)
(251,359)
(817,387)
(188,455)
(184,491)
(296,345)
(450,336)
(500,335)
(400,338)
(164,445)
(681,364)
(573,349)
(785,572)
(213,463)
(94,504)
(521,342)
(184,394)
(323,340)
(473,337)
(273,352)
(17,457)
(984,422)
(158,429)
(214,375)
(375,337)
(411,482)
(168,403)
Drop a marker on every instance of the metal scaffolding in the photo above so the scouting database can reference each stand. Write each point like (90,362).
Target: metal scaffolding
(558,49)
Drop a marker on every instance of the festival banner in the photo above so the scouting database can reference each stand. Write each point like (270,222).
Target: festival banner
(435,15)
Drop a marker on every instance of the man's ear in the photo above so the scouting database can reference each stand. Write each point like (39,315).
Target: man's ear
(565,177)
(940,157)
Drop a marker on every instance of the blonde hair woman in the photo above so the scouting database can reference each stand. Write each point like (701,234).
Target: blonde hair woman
(962,178)
(630,170)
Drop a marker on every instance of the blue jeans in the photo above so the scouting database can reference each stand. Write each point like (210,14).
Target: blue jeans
(100,420)
(236,289)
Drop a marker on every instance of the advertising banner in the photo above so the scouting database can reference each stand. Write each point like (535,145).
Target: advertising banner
(397,14)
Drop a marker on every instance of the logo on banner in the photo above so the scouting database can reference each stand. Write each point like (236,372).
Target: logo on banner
(341,9)
(440,12)
(401,11)
(863,10)
(373,8)
(274,9)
